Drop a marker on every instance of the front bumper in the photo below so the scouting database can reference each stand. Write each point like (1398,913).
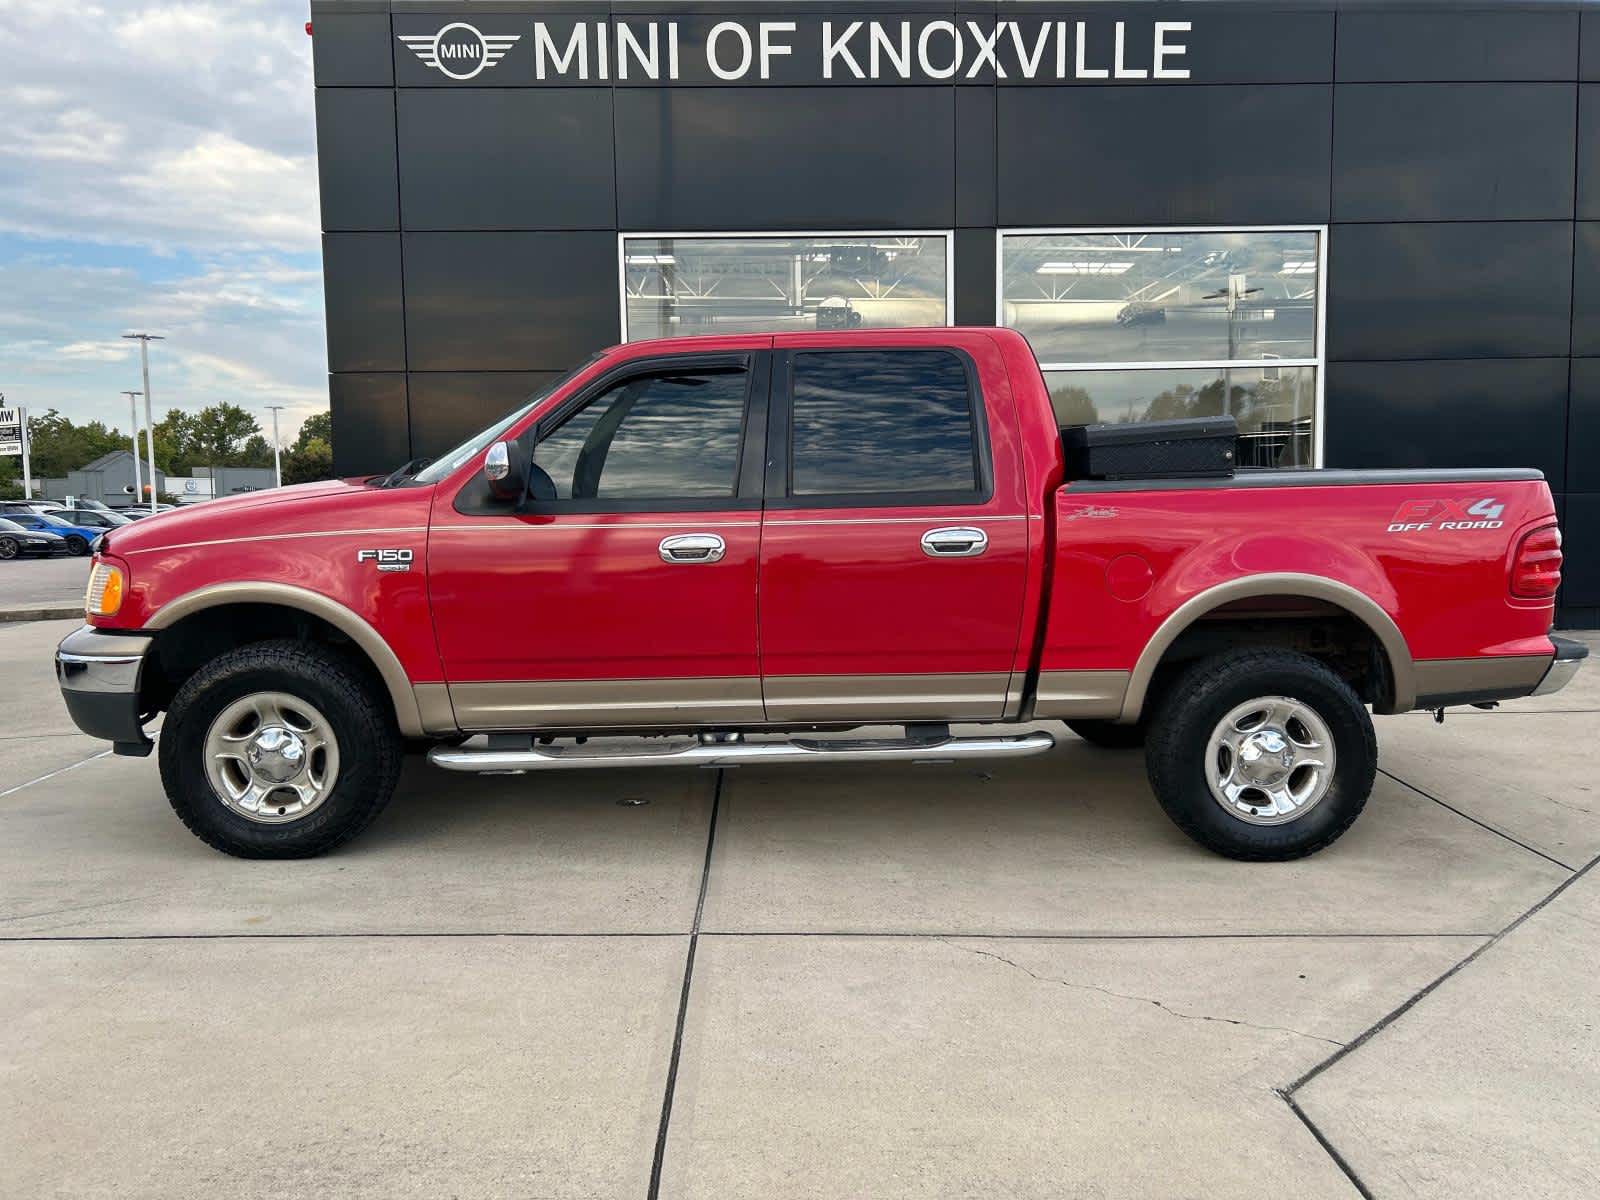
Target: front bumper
(99,676)
(1569,657)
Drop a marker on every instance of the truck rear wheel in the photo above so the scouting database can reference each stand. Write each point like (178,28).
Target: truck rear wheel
(1265,756)
(279,750)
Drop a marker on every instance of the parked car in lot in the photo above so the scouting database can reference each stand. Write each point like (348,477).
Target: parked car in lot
(94,518)
(140,511)
(927,548)
(78,537)
(8,507)
(19,542)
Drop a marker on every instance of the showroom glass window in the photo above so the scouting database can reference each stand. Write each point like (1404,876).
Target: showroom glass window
(782,283)
(1144,325)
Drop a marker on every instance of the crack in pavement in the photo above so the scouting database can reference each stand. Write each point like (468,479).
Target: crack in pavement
(1105,991)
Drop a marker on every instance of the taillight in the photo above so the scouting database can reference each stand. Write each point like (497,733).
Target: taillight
(1536,569)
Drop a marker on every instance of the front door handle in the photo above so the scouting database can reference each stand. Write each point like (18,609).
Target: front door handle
(693,548)
(955,542)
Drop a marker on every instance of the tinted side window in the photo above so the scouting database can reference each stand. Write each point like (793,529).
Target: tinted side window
(875,421)
(667,436)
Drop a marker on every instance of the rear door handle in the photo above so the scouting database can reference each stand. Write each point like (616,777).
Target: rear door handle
(693,548)
(959,541)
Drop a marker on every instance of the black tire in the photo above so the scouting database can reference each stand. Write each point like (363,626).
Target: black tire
(1190,710)
(77,544)
(1108,735)
(8,548)
(346,695)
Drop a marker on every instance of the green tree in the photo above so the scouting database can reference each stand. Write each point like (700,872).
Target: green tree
(257,452)
(310,458)
(175,434)
(318,426)
(221,434)
(307,461)
(58,446)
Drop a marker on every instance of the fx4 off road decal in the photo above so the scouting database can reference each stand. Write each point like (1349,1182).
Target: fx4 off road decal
(1419,516)
(387,560)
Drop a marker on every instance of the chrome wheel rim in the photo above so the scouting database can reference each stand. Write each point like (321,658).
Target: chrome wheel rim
(1270,761)
(8,548)
(271,757)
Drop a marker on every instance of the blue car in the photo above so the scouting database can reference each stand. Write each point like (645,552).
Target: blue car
(79,538)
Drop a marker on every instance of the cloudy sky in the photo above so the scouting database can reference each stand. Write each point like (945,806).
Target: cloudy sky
(158,172)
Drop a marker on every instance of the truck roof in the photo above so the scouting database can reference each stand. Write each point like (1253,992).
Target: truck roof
(930,335)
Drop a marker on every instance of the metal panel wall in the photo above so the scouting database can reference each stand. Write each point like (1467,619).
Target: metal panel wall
(471,225)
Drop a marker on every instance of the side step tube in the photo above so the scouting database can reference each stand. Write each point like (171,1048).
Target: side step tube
(734,754)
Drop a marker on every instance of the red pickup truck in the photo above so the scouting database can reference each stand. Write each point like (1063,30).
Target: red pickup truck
(746,547)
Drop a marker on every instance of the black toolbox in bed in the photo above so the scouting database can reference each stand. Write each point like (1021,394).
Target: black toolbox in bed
(1195,448)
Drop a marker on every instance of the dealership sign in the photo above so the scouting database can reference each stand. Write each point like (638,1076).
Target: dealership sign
(839,50)
(10,431)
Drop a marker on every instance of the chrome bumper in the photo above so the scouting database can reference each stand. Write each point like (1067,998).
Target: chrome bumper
(99,675)
(1569,657)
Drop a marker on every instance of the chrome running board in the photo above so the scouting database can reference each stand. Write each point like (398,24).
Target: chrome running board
(740,753)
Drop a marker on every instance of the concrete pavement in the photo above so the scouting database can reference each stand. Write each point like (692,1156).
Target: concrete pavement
(900,982)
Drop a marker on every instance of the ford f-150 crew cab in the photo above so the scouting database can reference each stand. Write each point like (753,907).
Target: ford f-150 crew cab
(740,549)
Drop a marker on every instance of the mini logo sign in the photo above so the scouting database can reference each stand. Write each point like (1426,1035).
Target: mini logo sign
(460,50)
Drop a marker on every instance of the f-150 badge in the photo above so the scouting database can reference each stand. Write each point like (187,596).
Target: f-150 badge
(387,560)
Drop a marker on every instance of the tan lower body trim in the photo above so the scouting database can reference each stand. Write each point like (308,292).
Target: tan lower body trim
(978,697)
(1080,693)
(1492,678)
(607,703)
(433,706)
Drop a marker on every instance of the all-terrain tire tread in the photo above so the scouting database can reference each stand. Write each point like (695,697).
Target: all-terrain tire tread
(1192,689)
(378,741)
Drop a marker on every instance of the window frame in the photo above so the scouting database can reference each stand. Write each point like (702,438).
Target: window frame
(949,236)
(746,494)
(1317,362)
(780,440)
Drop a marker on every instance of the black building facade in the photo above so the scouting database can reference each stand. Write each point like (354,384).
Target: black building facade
(1372,232)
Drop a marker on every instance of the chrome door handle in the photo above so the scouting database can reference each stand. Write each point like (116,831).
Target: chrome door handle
(693,548)
(955,542)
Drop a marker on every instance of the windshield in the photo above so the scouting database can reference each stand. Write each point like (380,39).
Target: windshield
(11,526)
(452,459)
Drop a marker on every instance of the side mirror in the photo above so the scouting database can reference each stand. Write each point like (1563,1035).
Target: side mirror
(505,469)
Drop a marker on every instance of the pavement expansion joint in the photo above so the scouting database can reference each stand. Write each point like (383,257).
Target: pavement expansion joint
(1395,1014)
(52,774)
(1162,1005)
(1500,833)
(683,1000)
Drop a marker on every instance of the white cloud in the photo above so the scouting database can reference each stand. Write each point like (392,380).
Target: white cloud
(158,171)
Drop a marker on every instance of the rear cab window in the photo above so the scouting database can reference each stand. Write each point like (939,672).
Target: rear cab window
(879,427)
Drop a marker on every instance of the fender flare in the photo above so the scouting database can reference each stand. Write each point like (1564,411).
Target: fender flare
(395,680)
(1312,587)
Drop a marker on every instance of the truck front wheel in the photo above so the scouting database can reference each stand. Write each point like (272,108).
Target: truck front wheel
(279,750)
(1266,755)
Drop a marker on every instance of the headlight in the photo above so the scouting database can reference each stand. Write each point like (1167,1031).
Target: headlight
(104,594)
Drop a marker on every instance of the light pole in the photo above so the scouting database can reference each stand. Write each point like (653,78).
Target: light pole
(144,340)
(133,416)
(277,453)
